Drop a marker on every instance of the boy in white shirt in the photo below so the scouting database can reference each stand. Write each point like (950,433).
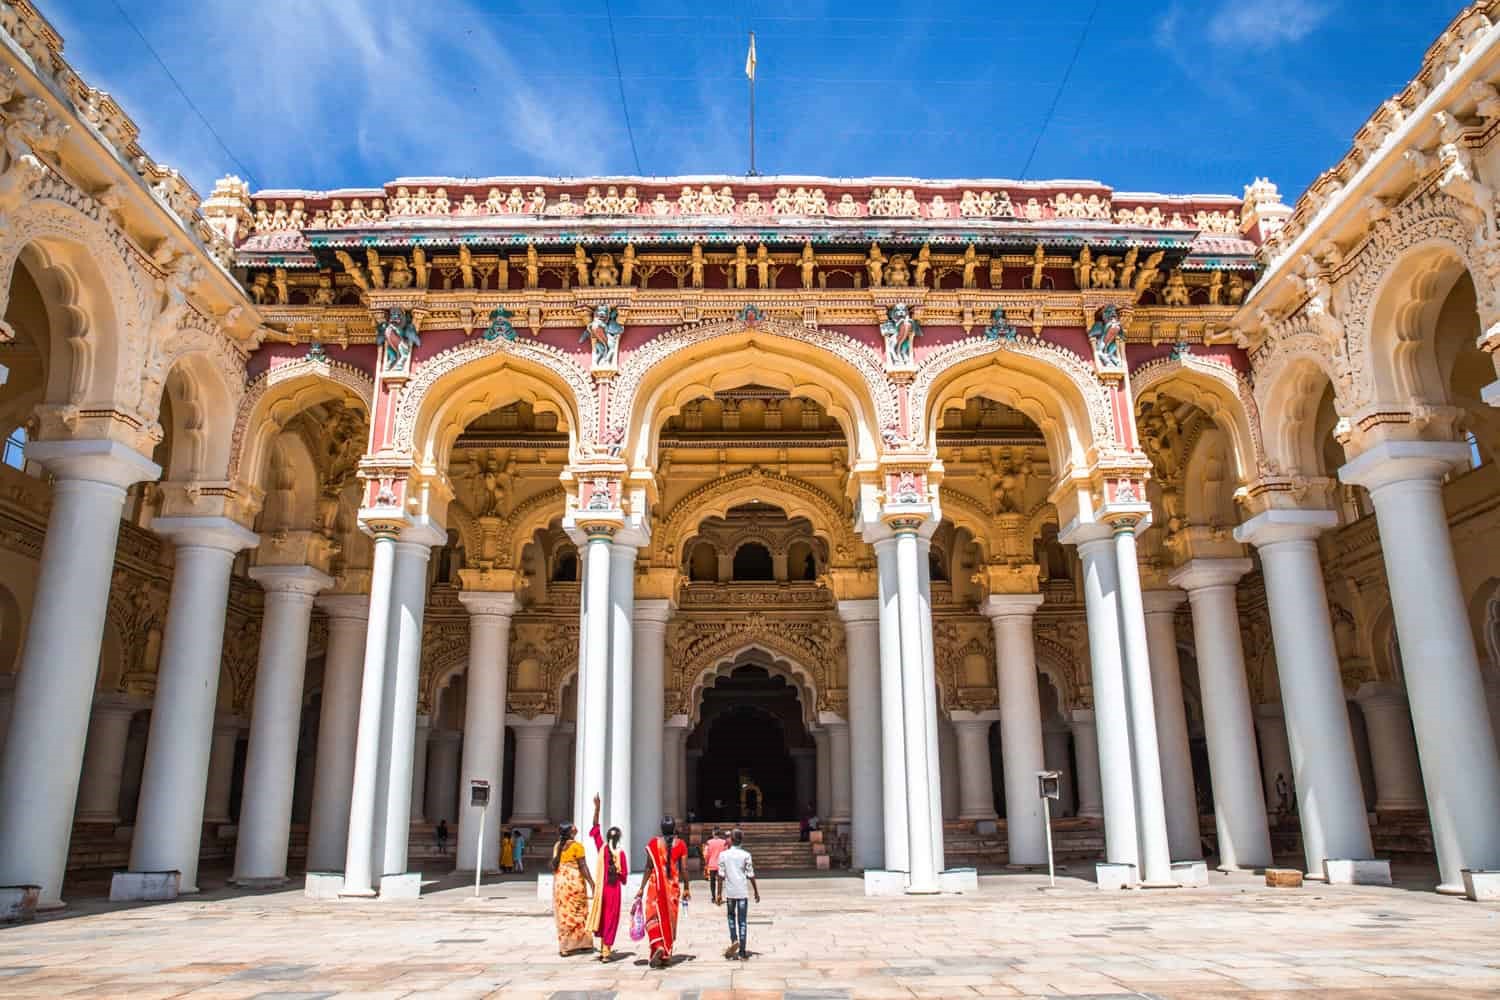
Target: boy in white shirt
(736,882)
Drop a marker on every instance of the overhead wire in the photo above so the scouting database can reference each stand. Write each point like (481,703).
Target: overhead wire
(620,82)
(1061,86)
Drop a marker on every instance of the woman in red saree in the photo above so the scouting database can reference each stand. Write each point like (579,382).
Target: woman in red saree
(571,885)
(664,885)
(610,873)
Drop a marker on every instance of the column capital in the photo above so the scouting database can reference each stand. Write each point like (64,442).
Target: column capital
(681,722)
(348,606)
(303,580)
(416,529)
(1000,606)
(100,461)
(655,610)
(115,703)
(962,717)
(832,720)
(863,610)
(1162,600)
(1391,462)
(206,532)
(537,724)
(1386,694)
(1081,717)
(1277,525)
(482,603)
(1205,572)
(1081,533)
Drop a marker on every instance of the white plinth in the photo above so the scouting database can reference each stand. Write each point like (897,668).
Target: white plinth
(1112,876)
(1190,872)
(407,885)
(323,885)
(1482,886)
(148,886)
(879,882)
(18,903)
(544,888)
(1347,871)
(960,881)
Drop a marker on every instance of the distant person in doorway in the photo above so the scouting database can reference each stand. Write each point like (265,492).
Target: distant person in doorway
(665,885)
(442,836)
(507,859)
(1283,796)
(571,886)
(736,882)
(610,873)
(711,850)
(518,850)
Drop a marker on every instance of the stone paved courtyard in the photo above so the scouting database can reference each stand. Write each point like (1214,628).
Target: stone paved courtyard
(812,938)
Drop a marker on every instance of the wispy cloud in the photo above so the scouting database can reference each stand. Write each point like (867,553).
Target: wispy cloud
(1263,23)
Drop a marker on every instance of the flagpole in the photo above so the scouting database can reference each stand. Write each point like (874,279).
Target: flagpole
(752,104)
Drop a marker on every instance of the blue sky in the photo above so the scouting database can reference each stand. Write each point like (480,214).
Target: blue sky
(1180,96)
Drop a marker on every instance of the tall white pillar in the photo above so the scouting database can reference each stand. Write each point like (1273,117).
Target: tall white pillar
(227,730)
(1101,592)
(1021,751)
(1455,735)
(929,689)
(104,759)
(674,768)
(839,775)
(533,769)
(338,721)
(1275,756)
(1177,787)
(443,749)
(895,834)
(593,735)
(976,787)
(169,814)
(948,766)
(560,774)
(413,550)
(484,724)
(275,722)
(419,770)
(49,718)
(1086,754)
(364,852)
(1228,724)
(649,711)
(1055,739)
(862,646)
(825,772)
(1330,800)
(618,792)
(921,725)
(1393,749)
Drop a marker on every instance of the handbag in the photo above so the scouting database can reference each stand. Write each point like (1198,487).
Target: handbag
(637,921)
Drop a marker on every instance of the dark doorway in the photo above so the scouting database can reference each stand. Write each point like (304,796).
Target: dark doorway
(751,721)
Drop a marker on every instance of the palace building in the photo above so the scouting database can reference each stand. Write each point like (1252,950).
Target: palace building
(748,498)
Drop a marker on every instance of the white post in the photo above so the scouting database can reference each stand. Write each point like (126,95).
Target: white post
(479,850)
(862,644)
(275,723)
(49,719)
(1455,735)
(1022,753)
(169,815)
(1228,723)
(648,696)
(1047,825)
(484,720)
(1177,786)
(1330,800)
(338,722)
(104,758)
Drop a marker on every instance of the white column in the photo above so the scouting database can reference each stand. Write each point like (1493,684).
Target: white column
(104,759)
(169,815)
(1228,724)
(921,725)
(560,774)
(419,770)
(674,768)
(1177,788)
(862,646)
(484,723)
(1101,592)
(617,791)
(364,854)
(413,550)
(1086,754)
(976,788)
(1021,751)
(338,721)
(275,722)
(1393,749)
(1275,755)
(825,772)
(7,699)
(649,708)
(593,678)
(930,689)
(892,719)
(839,776)
(1055,753)
(1455,735)
(805,776)
(227,730)
(1330,800)
(443,748)
(532,769)
(49,719)
(948,766)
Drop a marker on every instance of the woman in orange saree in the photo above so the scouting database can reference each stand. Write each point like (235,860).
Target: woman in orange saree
(571,886)
(663,886)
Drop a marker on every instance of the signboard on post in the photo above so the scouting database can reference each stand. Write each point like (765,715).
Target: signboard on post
(1048,788)
(479,793)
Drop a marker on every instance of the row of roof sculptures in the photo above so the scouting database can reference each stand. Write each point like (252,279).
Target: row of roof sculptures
(278,215)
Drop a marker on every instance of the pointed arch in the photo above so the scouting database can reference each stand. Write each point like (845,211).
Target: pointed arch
(1216,389)
(278,395)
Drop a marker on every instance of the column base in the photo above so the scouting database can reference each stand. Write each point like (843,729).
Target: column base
(1190,873)
(323,885)
(881,882)
(1109,875)
(1365,871)
(18,903)
(261,882)
(146,887)
(1481,886)
(959,881)
(406,886)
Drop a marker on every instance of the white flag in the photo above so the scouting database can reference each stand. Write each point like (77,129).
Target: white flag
(750,59)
